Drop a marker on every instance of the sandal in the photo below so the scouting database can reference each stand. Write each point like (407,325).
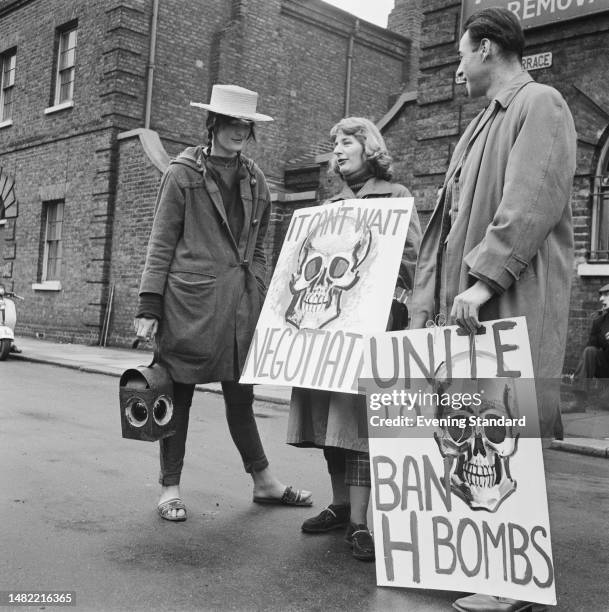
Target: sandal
(167,506)
(290,497)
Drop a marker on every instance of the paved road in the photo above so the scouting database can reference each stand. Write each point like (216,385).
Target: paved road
(78,514)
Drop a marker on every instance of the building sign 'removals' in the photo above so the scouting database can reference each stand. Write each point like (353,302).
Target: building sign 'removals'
(534,13)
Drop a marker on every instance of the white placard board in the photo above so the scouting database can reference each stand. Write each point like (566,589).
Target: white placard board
(458,485)
(333,283)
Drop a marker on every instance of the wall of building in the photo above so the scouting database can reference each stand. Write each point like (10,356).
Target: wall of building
(68,154)
(137,185)
(580,66)
(185,64)
(405,19)
(318,62)
(293,53)
(32,30)
(66,170)
(297,60)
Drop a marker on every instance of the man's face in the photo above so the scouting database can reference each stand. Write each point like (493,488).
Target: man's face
(604,298)
(472,68)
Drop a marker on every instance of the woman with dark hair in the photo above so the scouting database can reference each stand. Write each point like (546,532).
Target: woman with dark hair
(203,286)
(331,420)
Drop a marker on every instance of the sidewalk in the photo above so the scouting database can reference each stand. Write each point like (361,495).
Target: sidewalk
(114,361)
(585,432)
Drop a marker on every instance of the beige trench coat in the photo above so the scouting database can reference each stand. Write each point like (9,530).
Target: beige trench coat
(324,418)
(512,227)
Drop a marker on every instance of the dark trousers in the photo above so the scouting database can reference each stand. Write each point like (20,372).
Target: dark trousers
(238,400)
(593,364)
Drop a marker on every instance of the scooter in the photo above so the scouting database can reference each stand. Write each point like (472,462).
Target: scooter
(8,319)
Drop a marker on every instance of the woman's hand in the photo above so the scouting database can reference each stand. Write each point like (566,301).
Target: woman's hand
(145,328)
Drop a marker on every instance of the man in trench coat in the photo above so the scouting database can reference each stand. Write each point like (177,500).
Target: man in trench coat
(500,241)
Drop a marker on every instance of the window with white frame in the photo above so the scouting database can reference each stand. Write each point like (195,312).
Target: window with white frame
(52,248)
(599,248)
(66,56)
(8,63)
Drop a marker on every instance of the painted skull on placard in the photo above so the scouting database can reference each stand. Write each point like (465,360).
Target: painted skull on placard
(328,266)
(478,455)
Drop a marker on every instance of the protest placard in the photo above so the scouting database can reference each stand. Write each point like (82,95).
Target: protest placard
(458,484)
(333,283)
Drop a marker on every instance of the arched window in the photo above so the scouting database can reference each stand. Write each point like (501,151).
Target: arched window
(599,247)
(8,202)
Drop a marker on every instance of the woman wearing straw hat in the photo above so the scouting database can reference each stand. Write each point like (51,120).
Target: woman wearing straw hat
(204,283)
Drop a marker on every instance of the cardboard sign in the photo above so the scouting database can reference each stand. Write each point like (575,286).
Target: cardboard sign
(458,484)
(333,283)
(537,61)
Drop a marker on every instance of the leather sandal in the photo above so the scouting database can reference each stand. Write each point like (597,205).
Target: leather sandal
(290,497)
(164,509)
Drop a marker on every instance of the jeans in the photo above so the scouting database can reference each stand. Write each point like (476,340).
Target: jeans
(238,400)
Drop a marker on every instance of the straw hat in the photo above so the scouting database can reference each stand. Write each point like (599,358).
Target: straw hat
(233,101)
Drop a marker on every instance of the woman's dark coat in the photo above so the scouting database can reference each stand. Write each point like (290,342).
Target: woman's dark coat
(211,286)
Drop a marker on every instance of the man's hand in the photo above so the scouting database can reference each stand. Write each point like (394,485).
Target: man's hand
(467,304)
(145,328)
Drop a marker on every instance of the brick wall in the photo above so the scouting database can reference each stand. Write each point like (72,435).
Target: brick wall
(122,50)
(405,19)
(400,139)
(290,55)
(294,54)
(185,65)
(69,154)
(317,61)
(137,185)
(580,66)
(32,30)
(64,169)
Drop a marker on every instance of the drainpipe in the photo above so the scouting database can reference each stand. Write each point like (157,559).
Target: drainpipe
(151,55)
(349,64)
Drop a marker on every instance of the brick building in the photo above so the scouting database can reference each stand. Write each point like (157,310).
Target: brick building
(99,155)
(567,46)
(94,99)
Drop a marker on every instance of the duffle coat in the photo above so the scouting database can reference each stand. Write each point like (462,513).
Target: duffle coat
(327,418)
(212,286)
(510,179)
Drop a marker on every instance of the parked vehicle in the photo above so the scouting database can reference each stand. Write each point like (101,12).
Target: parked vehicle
(8,319)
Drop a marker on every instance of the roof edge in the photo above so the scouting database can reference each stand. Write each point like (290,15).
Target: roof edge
(152,145)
